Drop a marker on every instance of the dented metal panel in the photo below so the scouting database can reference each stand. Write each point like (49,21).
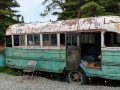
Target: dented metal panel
(73,58)
(108,23)
(47,60)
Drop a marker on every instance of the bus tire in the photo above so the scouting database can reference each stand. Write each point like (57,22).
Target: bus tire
(76,77)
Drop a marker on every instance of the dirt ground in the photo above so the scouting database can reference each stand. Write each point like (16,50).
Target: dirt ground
(2,47)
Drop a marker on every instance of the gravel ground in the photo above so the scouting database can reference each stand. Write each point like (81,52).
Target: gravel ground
(9,82)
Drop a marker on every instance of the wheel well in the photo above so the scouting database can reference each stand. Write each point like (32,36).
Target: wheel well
(65,70)
(82,70)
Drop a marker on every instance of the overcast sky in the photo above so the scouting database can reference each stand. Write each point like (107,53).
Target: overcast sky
(31,9)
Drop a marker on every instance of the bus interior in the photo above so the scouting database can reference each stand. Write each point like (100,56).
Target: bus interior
(91,47)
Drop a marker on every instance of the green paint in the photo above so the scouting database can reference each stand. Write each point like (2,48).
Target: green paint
(110,66)
(55,61)
(2,58)
(47,60)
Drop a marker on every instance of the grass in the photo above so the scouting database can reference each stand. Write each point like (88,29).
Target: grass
(10,71)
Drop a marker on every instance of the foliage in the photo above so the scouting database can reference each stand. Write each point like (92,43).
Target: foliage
(10,71)
(91,9)
(57,76)
(52,6)
(8,16)
(88,8)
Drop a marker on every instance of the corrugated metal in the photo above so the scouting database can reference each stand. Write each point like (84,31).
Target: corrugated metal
(109,23)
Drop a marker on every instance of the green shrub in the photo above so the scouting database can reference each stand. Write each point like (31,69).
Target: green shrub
(10,71)
(57,76)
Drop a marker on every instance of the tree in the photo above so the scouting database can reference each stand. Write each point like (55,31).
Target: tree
(100,7)
(88,8)
(91,9)
(52,6)
(7,16)
(70,9)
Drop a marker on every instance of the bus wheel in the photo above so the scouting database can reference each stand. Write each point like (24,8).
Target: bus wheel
(76,77)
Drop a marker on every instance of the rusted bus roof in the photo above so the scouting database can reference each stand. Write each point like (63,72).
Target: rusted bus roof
(68,25)
(112,24)
(93,23)
(109,23)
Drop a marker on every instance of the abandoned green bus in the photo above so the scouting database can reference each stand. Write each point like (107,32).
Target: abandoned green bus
(86,47)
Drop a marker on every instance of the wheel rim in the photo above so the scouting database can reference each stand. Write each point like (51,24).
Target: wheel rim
(75,77)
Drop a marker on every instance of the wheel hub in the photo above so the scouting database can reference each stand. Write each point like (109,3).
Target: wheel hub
(76,76)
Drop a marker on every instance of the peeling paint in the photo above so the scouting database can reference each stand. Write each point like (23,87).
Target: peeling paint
(108,23)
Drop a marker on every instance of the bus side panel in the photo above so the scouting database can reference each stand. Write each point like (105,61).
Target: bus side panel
(117,62)
(47,60)
(110,64)
(107,60)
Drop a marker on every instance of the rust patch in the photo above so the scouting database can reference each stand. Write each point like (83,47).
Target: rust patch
(21,24)
(88,20)
(69,22)
(117,26)
(47,25)
(32,31)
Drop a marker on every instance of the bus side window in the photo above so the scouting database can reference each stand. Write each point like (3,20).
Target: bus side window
(22,40)
(37,39)
(46,40)
(62,39)
(53,39)
(49,39)
(112,39)
(16,40)
(30,40)
(8,41)
(19,40)
(33,39)
(107,39)
(72,39)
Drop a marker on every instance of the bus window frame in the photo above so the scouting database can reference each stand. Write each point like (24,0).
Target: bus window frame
(58,45)
(33,39)
(11,41)
(112,39)
(62,45)
(19,40)
(49,40)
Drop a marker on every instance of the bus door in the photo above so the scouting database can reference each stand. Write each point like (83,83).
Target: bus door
(73,50)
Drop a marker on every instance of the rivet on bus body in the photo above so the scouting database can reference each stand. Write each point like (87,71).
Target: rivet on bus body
(51,75)
(105,81)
